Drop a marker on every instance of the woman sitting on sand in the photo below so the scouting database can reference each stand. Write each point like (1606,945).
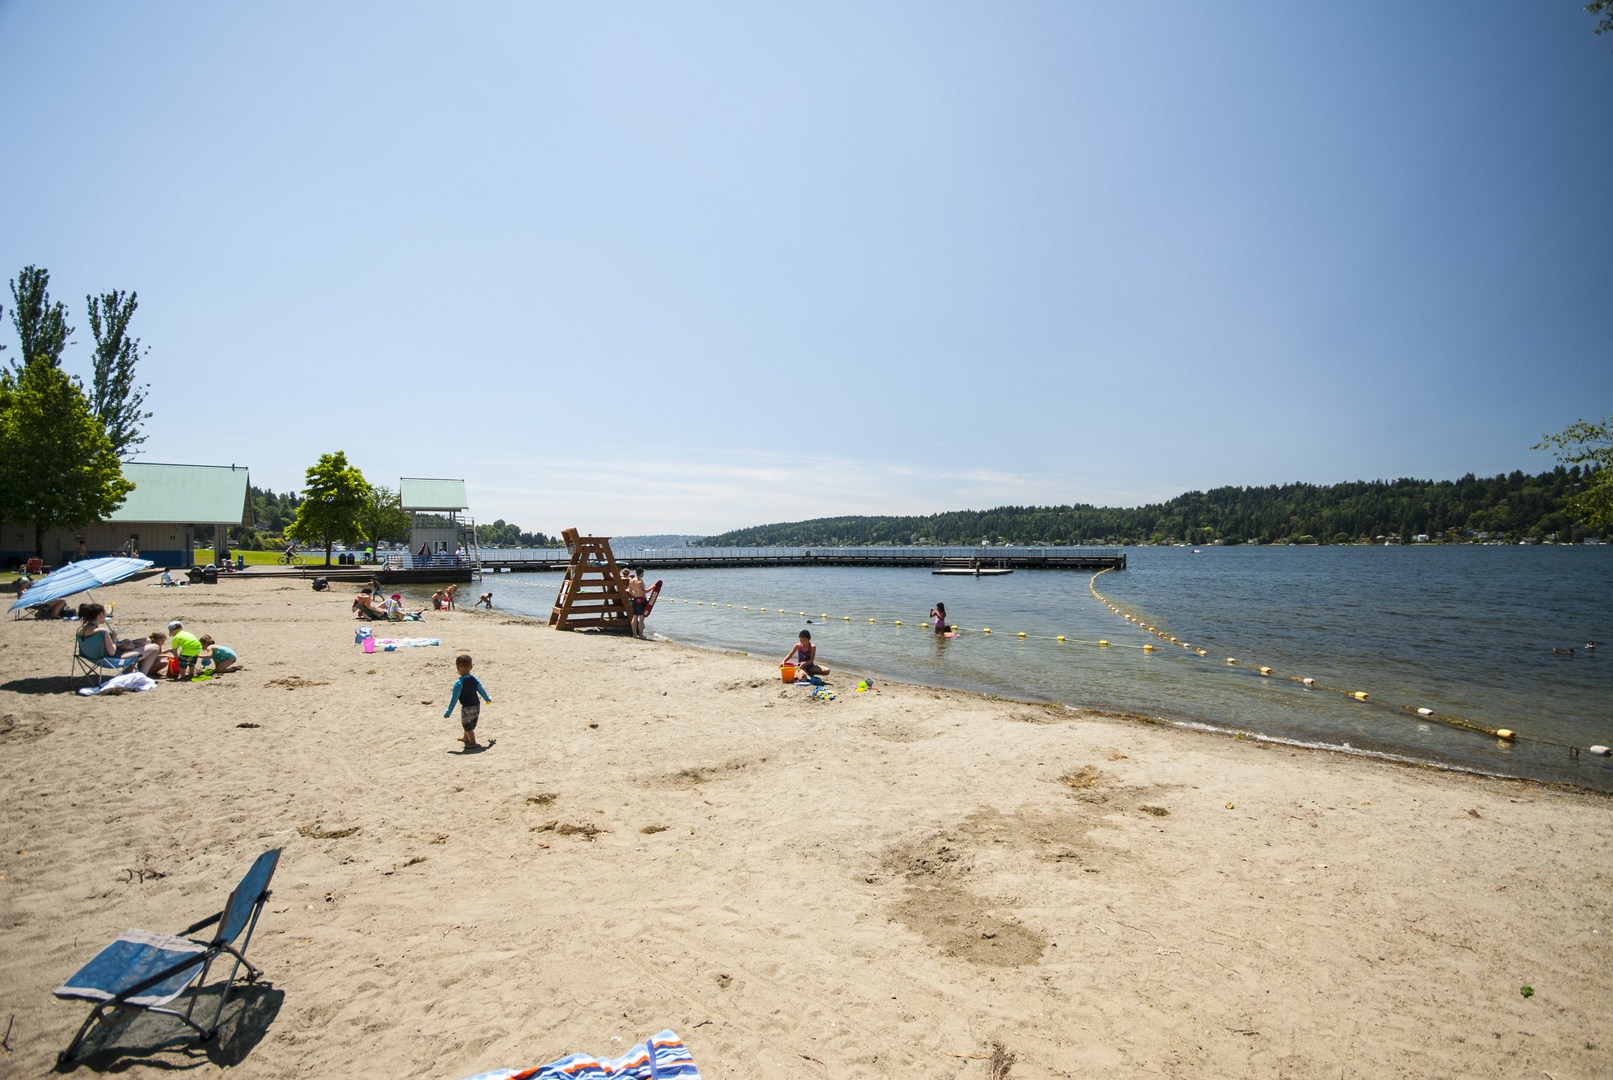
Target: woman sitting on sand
(92,623)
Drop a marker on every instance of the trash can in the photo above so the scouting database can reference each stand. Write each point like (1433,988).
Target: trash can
(210,574)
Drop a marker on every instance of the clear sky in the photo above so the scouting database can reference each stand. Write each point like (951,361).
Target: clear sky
(647,268)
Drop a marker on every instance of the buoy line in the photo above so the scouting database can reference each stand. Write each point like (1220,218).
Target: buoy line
(1505,735)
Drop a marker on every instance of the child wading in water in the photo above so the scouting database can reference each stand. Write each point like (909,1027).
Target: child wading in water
(465,690)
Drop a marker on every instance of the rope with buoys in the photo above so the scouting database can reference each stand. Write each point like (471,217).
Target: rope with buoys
(1505,735)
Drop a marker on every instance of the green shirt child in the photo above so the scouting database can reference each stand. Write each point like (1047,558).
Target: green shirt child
(184,645)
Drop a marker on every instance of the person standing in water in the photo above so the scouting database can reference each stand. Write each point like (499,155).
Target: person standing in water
(938,615)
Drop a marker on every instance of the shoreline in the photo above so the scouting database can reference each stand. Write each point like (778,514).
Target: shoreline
(1209,728)
(883,884)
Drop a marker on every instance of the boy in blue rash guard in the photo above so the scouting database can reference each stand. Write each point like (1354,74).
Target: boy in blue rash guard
(464,695)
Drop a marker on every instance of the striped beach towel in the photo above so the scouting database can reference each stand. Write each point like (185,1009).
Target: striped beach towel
(660,1057)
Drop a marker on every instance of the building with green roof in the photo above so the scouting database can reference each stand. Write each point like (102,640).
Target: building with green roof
(436,530)
(163,518)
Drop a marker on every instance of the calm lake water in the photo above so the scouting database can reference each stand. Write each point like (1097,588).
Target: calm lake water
(1467,632)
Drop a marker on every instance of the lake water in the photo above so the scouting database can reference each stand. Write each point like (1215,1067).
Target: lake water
(1467,632)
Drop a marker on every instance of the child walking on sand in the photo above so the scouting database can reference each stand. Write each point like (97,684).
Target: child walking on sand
(466,687)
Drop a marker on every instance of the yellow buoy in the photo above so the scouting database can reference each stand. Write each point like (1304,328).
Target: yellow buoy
(987,630)
(1308,681)
(898,622)
(1231,660)
(1061,637)
(1103,644)
(1265,671)
(1022,633)
(1359,695)
(1425,712)
(1202,652)
(870,620)
(1503,733)
(1148,648)
(845,618)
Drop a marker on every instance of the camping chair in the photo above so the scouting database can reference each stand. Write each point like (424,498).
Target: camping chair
(90,658)
(35,566)
(143,970)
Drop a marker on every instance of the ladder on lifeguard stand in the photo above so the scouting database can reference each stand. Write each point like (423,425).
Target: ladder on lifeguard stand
(593,594)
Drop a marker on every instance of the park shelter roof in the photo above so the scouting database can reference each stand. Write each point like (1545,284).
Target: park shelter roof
(186,494)
(419,493)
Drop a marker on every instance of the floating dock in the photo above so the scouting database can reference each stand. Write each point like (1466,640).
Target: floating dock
(988,561)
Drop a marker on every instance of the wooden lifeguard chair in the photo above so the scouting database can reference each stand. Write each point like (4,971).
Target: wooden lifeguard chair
(593,594)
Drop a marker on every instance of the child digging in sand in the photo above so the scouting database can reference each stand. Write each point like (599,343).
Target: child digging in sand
(221,657)
(464,695)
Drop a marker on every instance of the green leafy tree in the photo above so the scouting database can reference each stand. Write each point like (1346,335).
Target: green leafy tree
(331,502)
(1604,8)
(57,467)
(115,396)
(382,517)
(1586,443)
(13,461)
(41,325)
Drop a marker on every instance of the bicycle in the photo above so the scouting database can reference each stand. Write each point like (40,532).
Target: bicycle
(291,558)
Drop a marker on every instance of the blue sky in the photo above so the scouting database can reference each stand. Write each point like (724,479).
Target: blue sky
(646,268)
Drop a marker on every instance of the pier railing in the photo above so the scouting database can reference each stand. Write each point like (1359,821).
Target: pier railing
(1007,558)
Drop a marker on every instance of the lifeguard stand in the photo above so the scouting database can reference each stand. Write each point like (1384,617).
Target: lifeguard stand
(593,594)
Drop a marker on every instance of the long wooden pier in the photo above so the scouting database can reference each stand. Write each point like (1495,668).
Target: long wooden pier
(917,558)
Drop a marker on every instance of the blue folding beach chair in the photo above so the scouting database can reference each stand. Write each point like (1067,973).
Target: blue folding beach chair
(143,970)
(90,658)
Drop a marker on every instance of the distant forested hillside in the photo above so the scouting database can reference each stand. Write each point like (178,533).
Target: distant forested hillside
(1513,506)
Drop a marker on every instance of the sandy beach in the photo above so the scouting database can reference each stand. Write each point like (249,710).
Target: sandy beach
(898,883)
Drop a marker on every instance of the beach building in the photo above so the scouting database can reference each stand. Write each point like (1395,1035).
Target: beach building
(172,510)
(441,532)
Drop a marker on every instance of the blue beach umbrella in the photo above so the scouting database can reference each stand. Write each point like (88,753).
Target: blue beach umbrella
(80,577)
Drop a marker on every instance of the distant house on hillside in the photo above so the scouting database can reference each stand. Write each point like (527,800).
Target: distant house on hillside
(164,517)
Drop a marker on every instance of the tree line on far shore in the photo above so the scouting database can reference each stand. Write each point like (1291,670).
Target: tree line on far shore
(61,447)
(1559,505)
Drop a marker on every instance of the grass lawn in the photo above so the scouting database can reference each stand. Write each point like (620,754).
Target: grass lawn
(203,556)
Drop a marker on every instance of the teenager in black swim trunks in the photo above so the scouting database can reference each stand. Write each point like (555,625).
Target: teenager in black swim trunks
(637,594)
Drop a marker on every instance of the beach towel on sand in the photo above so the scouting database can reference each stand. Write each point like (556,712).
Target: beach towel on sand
(121,684)
(660,1057)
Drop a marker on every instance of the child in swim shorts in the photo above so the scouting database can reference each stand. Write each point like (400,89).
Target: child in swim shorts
(466,688)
